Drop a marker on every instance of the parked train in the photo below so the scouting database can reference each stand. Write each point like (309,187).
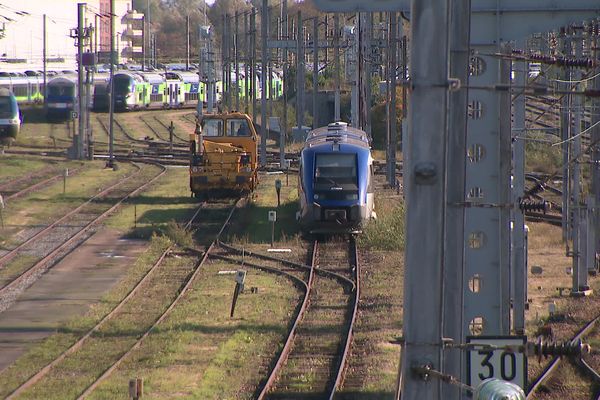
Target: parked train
(10,117)
(27,89)
(224,155)
(336,180)
(133,89)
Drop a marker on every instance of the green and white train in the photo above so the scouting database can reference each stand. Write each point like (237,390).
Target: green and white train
(133,90)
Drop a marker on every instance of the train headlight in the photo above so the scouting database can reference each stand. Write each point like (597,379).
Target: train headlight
(352,196)
(14,121)
(316,196)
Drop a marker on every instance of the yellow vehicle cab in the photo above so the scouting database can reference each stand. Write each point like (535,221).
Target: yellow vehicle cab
(224,155)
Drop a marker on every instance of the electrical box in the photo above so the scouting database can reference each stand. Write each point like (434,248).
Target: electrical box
(272,216)
(240,277)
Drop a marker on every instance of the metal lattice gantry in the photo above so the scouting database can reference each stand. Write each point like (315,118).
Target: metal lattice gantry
(487,201)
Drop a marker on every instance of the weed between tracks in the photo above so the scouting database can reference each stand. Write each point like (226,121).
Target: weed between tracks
(387,232)
(13,166)
(39,207)
(200,352)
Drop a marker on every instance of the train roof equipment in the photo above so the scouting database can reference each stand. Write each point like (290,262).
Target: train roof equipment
(335,133)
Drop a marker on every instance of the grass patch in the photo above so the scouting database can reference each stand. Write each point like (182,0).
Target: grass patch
(167,201)
(541,156)
(254,226)
(200,352)
(388,231)
(178,234)
(17,166)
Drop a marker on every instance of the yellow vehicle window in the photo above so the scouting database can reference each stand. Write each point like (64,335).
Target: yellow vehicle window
(238,127)
(212,127)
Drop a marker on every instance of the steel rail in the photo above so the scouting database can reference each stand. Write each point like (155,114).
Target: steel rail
(6,257)
(318,271)
(52,255)
(349,334)
(337,368)
(287,347)
(182,292)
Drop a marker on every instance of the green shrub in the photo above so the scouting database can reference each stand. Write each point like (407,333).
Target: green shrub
(387,232)
(178,234)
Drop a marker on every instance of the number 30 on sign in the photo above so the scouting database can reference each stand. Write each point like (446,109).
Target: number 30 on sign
(499,363)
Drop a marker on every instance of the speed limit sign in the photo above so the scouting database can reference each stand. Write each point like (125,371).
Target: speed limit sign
(502,360)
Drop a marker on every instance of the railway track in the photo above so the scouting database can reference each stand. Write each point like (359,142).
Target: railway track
(157,293)
(21,186)
(142,147)
(21,265)
(311,364)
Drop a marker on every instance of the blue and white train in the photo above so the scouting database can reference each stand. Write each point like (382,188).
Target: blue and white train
(336,180)
(10,117)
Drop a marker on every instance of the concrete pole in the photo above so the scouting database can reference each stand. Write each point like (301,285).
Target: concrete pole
(144,42)
(392,128)
(336,59)
(111,97)
(187,43)
(253,63)
(210,87)
(201,66)
(565,128)
(425,203)
(355,45)
(44,57)
(224,60)
(299,72)
(519,255)
(79,138)
(315,72)
(283,127)
(579,269)
(454,274)
(595,134)
(264,24)
(367,57)
(361,46)
(504,191)
(236,61)
(246,59)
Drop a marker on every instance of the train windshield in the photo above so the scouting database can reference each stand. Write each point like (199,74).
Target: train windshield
(57,90)
(238,127)
(335,169)
(123,84)
(212,127)
(7,107)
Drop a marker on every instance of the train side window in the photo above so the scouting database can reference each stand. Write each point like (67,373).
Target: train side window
(370,182)
(212,127)
(20,90)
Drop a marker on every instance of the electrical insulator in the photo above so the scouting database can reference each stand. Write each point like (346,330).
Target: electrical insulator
(573,348)
(496,389)
(531,205)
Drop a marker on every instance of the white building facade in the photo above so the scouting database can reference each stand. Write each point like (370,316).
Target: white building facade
(23,30)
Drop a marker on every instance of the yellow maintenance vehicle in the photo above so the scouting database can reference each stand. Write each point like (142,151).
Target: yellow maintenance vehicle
(224,155)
